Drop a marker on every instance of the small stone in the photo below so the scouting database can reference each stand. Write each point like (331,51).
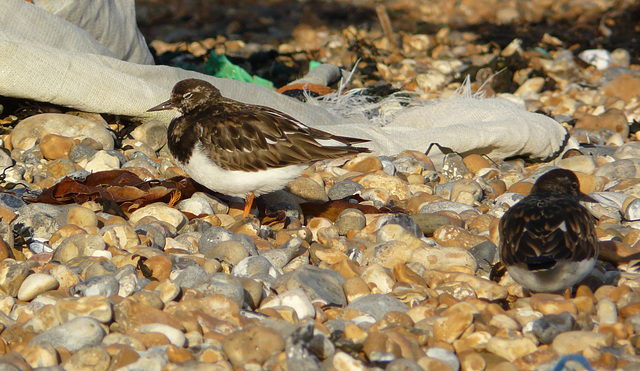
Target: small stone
(162,212)
(254,266)
(307,189)
(102,161)
(350,219)
(55,146)
(323,285)
(450,235)
(583,164)
(90,357)
(445,356)
(454,321)
(254,344)
(444,258)
(106,285)
(344,189)
(78,245)
(549,326)
(607,311)
(160,267)
(613,119)
(576,341)
(231,252)
(429,222)
(35,284)
(391,184)
(196,206)
(354,288)
(85,330)
(175,336)
(403,220)
(96,307)
(511,349)
(377,305)
(122,236)
(475,162)
(82,217)
(153,133)
(457,207)
(295,299)
(363,163)
(75,127)
(38,355)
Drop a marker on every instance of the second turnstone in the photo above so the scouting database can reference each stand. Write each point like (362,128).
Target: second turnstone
(241,149)
(547,240)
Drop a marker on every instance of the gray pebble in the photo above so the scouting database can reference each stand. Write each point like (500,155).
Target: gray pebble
(319,284)
(408,164)
(191,276)
(387,165)
(223,284)
(181,262)
(80,153)
(155,234)
(73,335)
(344,189)
(453,168)
(11,201)
(284,254)
(485,254)
(377,305)
(254,266)
(405,221)
(547,327)
(106,285)
(213,236)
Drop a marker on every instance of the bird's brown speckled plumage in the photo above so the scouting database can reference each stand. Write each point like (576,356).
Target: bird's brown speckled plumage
(242,149)
(548,229)
(240,136)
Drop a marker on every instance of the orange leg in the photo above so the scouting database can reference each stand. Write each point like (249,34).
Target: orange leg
(248,202)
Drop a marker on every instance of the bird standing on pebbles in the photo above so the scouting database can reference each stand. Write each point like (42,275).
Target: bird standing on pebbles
(547,240)
(241,149)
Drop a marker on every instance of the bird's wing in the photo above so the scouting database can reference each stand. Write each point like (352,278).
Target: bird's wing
(546,231)
(260,138)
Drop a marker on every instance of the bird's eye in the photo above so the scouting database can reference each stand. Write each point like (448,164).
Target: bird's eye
(187,95)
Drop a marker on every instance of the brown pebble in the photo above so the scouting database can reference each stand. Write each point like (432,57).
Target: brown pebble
(121,355)
(363,164)
(55,146)
(150,339)
(254,344)
(6,214)
(177,354)
(522,187)
(476,162)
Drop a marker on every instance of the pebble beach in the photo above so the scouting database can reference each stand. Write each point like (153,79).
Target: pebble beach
(112,259)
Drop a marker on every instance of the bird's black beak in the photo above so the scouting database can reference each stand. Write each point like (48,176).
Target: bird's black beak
(586,198)
(162,106)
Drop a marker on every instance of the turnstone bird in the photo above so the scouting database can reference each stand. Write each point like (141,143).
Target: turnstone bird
(241,149)
(547,240)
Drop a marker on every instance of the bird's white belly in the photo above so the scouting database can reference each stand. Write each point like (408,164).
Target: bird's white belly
(564,274)
(238,183)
